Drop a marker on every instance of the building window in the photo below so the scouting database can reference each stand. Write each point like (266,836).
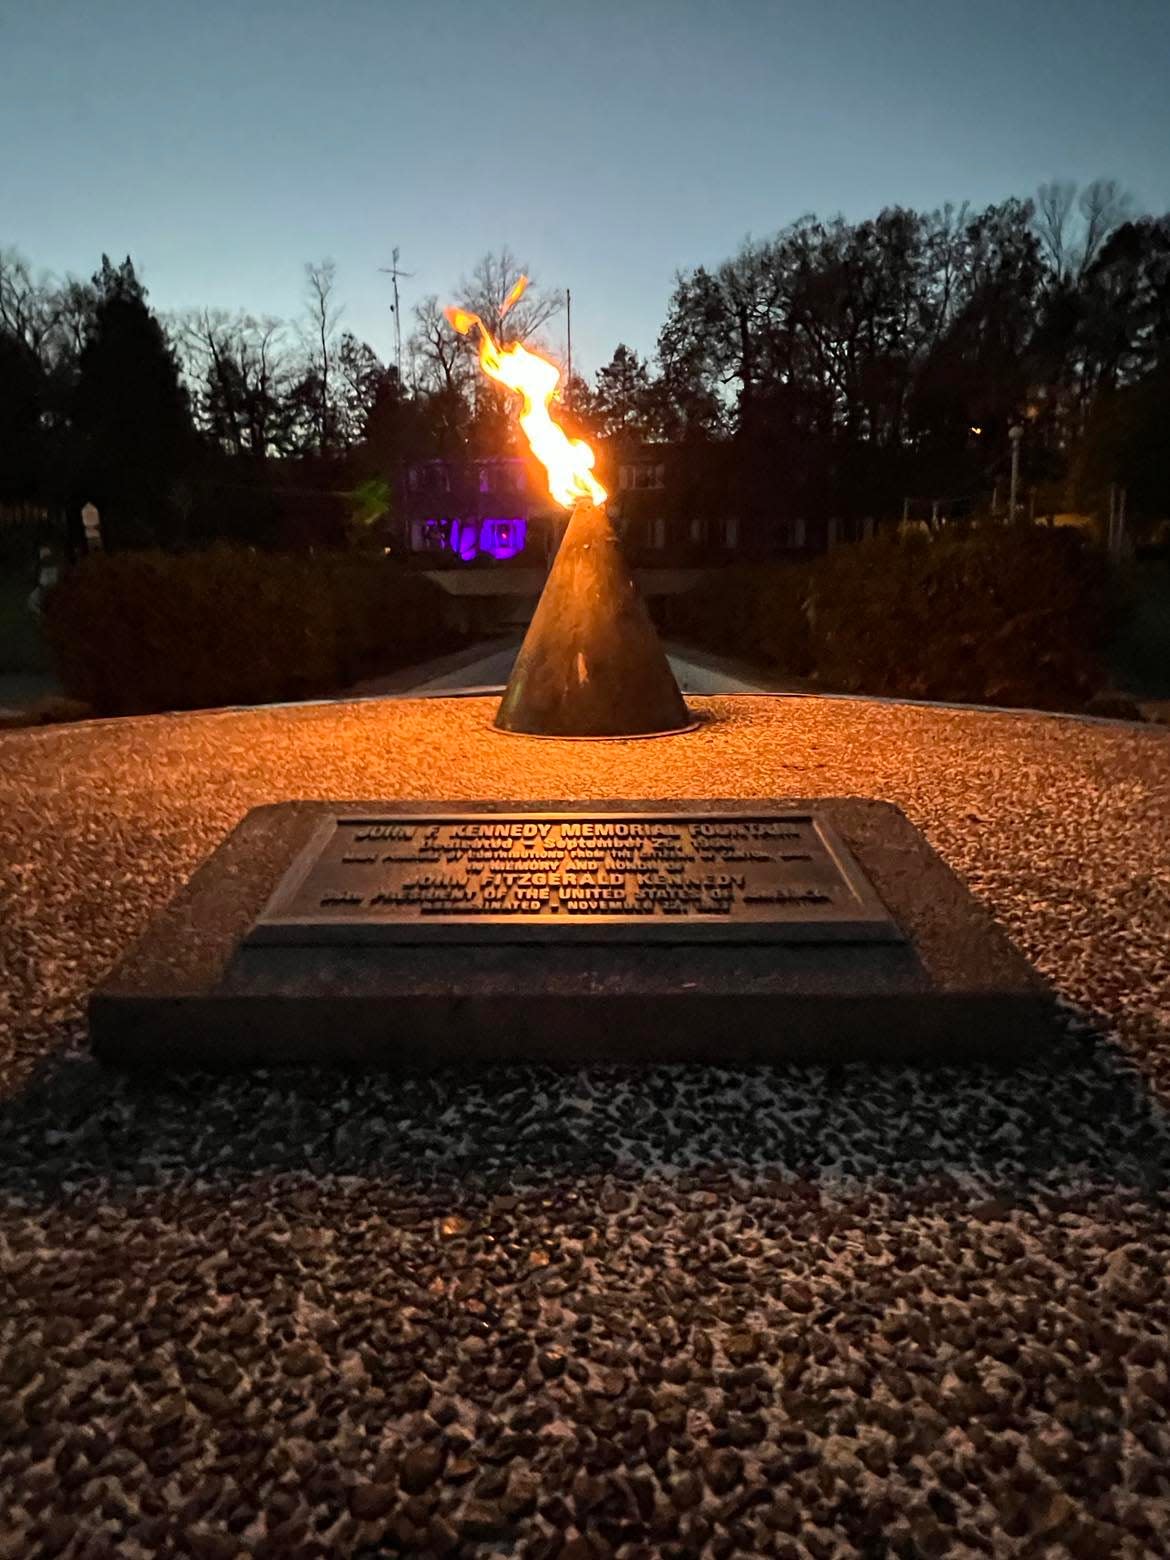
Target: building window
(503,538)
(431,478)
(643,475)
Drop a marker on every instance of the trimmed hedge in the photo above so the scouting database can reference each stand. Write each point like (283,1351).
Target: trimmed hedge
(136,632)
(1016,616)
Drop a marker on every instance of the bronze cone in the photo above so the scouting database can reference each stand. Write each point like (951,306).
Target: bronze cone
(591,664)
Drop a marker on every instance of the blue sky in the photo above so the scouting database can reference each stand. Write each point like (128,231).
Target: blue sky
(224,144)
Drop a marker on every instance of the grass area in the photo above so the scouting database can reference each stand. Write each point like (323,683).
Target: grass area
(22,645)
(1140,659)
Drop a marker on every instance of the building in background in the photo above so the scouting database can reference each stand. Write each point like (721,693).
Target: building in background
(672,505)
(461,511)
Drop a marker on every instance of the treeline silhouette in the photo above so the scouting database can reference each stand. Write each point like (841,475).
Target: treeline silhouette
(833,368)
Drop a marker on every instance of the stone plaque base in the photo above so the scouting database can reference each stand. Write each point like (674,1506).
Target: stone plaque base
(246,967)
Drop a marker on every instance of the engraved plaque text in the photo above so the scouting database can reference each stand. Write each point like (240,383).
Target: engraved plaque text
(521,877)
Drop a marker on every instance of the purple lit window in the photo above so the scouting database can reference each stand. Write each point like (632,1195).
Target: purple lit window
(503,538)
(465,539)
(498,537)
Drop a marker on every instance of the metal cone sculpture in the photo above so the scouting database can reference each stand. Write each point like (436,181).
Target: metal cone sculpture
(591,664)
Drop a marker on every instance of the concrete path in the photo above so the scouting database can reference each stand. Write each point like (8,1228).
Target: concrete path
(486,666)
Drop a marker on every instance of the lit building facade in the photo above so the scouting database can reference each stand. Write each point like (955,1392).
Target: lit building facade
(458,511)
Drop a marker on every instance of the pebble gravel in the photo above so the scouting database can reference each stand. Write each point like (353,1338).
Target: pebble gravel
(601,1312)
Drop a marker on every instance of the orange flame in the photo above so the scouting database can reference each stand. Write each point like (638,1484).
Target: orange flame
(569,462)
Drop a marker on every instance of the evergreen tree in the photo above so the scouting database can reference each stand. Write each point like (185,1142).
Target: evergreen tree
(621,403)
(131,419)
(21,440)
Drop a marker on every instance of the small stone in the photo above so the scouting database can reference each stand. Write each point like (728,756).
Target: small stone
(686,1491)
(551,1363)
(57,1534)
(723,1471)
(213,1546)
(420,1468)
(521,1497)
(442,1537)
(416,1393)
(482,1520)
(18,1366)
(368,1502)
(492,1482)
(1053,1513)
(745,1430)
(210,1399)
(611,1382)
(300,1360)
(587,1492)
(742,1347)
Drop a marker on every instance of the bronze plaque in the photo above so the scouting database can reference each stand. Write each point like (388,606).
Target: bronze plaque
(575,877)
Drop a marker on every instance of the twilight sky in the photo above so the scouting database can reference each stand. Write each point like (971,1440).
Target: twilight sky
(223,143)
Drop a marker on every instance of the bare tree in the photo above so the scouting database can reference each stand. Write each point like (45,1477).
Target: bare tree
(47,317)
(1103,206)
(489,292)
(439,356)
(238,371)
(28,304)
(323,316)
(1073,227)
(1054,204)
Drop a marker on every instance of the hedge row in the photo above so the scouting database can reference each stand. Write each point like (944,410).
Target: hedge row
(136,632)
(1016,616)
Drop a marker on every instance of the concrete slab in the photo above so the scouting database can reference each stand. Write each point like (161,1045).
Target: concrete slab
(190,994)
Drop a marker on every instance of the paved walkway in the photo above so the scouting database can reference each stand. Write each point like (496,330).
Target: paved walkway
(684,1310)
(487,665)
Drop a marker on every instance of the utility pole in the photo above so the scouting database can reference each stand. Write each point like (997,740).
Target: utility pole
(394,273)
(1015,434)
(569,349)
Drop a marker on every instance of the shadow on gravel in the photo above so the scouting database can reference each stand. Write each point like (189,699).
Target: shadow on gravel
(1084,1117)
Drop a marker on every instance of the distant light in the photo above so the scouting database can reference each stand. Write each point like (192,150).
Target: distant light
(974,429)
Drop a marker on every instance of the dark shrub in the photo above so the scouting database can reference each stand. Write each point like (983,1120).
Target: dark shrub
(139,631)
(999,615)
(756,611)
(1014,616)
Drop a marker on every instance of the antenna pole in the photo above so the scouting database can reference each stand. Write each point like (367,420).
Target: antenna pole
(394,273)
(397,315)
(569,354)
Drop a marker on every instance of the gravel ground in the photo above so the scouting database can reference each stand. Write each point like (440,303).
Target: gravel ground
(676,1312)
